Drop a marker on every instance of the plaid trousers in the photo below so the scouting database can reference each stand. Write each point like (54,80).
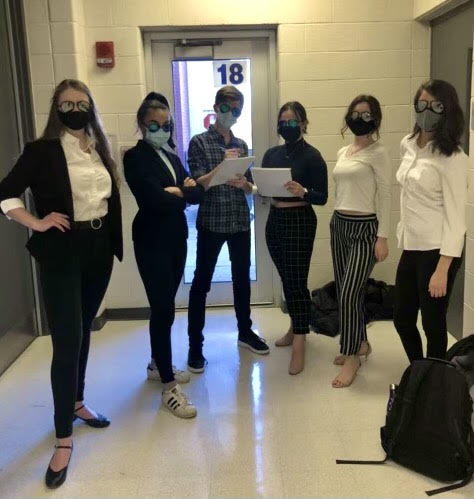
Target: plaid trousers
(290,234)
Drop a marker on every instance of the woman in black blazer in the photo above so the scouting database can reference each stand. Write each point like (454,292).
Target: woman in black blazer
(162,188)
(77,231)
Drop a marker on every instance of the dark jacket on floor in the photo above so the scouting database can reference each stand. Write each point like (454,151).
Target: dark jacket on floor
(325,310)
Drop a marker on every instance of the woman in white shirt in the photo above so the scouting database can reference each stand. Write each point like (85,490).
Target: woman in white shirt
(433,179)
(77,232)
(359,227)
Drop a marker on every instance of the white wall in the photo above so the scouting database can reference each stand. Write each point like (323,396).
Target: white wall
(469,282)
(328,51)
(430,9)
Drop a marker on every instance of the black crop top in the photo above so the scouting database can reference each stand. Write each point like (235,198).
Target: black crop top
(308,168)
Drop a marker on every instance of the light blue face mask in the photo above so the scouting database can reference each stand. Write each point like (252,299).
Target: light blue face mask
(227,120)
(157,139)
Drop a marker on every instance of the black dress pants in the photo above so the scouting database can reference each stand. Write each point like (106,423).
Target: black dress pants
(73,289)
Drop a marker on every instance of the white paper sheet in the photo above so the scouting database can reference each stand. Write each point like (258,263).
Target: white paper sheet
(229,169)
(270,181)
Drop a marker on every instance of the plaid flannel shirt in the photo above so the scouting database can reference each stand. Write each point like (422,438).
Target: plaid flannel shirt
(224,208)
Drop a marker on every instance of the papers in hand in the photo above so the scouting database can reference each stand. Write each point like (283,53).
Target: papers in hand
(229,169)
(271,181)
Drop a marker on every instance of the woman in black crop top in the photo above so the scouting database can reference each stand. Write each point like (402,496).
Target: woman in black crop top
(291,224)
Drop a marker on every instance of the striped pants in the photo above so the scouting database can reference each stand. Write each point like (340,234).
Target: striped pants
(352,245)
(290,234)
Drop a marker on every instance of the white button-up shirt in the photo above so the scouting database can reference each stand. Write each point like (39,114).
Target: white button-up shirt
(433,199)
(167,162)
(91,184)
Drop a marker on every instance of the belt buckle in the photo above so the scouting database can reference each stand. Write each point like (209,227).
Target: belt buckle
(94,225)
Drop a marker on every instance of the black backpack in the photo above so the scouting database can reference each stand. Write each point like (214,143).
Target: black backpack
(461,347)
(428,424)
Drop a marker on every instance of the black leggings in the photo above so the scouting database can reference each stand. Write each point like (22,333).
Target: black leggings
(161,266)
(411,295)
(290,234)
(73,291)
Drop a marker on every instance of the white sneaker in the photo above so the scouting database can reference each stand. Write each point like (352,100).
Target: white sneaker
(153,373)
(177,402)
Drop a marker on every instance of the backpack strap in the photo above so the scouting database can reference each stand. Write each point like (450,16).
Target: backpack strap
(350,461)
(451,487)
(416,377)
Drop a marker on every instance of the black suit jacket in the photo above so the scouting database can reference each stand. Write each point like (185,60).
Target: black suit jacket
(160,214)
(42,167)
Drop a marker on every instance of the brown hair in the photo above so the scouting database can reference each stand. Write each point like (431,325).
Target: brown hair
(54,128)
(447,134)
(227,93)
(300,113)
(375,111)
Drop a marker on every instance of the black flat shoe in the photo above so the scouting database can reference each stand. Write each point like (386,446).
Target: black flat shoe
(55,479)
(98,422)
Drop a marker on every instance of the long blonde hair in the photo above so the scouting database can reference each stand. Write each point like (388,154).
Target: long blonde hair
(54,128)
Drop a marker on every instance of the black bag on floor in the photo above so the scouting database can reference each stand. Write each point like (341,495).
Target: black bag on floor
(461,347)
(461,354)
(428,424)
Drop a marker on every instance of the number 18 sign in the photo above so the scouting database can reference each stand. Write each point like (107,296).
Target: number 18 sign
(228,72)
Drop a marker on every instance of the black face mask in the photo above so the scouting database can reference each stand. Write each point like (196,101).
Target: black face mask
(289,133)
(75,120)
(360,127)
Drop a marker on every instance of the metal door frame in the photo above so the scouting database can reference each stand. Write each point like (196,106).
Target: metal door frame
(233,33)
(15,14)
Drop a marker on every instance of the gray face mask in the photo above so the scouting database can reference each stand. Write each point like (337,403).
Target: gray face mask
(227,120)
(427,120)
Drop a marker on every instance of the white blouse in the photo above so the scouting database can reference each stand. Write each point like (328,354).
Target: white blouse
(432,200)
(167,162)
(363,183)
(91,184)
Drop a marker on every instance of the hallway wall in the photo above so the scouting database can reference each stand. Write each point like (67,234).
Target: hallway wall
(328,51)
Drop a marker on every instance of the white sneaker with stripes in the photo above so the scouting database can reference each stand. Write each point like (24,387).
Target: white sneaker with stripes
(178,403)
(153,373)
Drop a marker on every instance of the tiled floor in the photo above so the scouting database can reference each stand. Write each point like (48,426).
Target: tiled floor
(259,432)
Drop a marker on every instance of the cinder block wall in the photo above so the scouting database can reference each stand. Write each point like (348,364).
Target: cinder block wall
(328,51)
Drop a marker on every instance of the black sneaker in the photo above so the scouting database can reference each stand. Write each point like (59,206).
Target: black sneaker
(196,362)
(253,342)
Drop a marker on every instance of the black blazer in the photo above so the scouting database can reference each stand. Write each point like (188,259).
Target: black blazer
(43,168)
(160,214)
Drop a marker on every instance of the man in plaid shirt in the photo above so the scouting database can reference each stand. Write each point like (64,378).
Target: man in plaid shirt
(223,217)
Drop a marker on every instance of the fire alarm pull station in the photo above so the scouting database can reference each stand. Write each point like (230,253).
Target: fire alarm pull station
(105,54)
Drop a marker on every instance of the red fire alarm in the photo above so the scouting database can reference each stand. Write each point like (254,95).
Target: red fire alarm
(105,54)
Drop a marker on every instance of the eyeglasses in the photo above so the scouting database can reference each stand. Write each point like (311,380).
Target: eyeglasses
(225,108)
(435,105)
(153,126)
(67,106)
(364,115)
(290,123)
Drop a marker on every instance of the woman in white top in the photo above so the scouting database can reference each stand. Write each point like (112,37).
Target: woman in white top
(433,179)
(359,227)
(77,232)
